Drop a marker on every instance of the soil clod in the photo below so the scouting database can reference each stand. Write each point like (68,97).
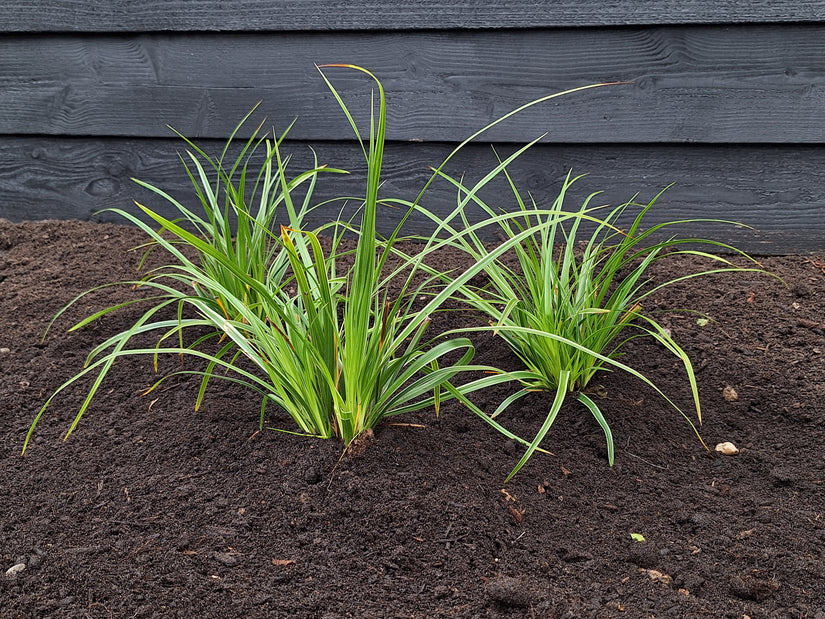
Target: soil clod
(509,591)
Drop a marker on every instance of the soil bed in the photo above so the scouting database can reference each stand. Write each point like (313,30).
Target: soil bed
(153,510)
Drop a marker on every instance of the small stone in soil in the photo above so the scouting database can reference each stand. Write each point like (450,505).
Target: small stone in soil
(14,570)
(727,448)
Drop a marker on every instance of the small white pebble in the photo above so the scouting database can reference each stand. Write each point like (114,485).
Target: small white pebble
(727,449)
(5,351)
(14,570)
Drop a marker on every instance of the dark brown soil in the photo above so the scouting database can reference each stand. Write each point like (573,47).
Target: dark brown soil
(153,510)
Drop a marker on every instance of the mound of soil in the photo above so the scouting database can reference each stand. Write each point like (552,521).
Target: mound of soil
(153,510)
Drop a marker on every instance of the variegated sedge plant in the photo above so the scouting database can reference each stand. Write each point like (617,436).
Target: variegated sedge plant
(330,347)
(236,268)
(569,302)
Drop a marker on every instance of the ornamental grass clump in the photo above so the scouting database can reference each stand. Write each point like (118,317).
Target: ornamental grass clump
(269,309)
(341,349)
(566,301)
(341,353)
(225,265)
(339,339)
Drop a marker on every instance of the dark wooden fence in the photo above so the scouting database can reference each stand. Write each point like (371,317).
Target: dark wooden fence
(726,100)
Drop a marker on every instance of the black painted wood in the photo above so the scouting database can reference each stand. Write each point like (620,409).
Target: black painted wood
(726,100)
(280,15)
(777,189)
(750,84)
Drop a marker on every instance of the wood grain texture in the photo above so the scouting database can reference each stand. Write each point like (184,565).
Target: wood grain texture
(777,189)
(712,84)
(279,15)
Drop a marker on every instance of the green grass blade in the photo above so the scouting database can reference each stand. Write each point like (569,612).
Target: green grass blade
(561,394)
(597,413)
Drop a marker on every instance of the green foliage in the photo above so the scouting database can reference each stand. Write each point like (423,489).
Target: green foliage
(216,274)
(333,349)
(340,353)
(253,295)
(565,302)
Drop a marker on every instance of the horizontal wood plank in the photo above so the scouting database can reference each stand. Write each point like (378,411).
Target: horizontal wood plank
(279,15)
(751,84)
(779,190)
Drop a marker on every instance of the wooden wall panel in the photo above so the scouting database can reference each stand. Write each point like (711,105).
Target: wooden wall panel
(725,99)
(751,84)
(777,189)
(280,15)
